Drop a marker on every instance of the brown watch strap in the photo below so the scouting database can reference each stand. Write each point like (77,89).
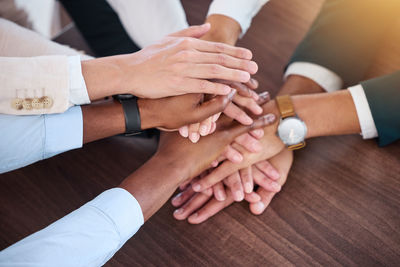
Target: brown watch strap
(285,106)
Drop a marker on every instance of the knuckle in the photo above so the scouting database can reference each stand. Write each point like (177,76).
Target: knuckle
(203,85)
(185,54)
(186,43)
(215,69)
(221,59)
(220,47)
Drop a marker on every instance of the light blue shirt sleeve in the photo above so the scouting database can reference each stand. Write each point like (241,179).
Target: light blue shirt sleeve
(27,139)
(88,236)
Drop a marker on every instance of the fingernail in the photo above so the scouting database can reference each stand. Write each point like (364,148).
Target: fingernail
(253,67)
(244,76)
(177,197)
(259,110)
(178,211)
(196,187)
(203,130)
(237,158)
(220,196)
(248,188)
(247,120)
(184,131)
(269,118)
(276,186)
(239,196)
(264,95)
(194,137)
(260,206)
(194,216)
(275,174)
(232,94)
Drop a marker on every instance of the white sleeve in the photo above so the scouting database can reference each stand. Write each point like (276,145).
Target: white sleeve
(242,11)
(149,21)
(367,124)
(78,94)
(88,236)
(324,77)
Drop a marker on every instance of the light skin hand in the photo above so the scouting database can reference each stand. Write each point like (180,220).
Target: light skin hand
(198,207)
(178,64)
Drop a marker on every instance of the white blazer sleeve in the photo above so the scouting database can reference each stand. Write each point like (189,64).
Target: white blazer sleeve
(34,85)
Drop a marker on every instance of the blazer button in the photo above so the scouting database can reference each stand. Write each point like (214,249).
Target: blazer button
(37,103)
(16,103)
(47,101)
(27,103)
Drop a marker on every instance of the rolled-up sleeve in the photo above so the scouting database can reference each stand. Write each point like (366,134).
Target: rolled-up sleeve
(27,139)
(242,11)
(89,236)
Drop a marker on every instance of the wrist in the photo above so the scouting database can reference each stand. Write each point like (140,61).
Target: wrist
(296,85)
(148,117)
(223,29)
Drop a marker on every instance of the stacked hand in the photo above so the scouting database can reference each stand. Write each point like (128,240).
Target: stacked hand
(197,203)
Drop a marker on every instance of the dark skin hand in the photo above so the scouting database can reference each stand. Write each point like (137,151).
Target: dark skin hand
(170,113)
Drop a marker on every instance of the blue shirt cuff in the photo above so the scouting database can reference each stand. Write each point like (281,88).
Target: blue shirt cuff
(64,132)
(122,209)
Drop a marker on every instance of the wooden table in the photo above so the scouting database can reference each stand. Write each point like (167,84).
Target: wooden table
(340,205)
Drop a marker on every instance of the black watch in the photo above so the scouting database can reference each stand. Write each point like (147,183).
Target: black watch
(131,113)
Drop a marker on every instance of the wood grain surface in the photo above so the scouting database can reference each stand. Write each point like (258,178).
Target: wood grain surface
(340,205)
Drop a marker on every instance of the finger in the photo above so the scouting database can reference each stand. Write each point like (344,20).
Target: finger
(263,98)
(184,185)
(193,204)
(184,131)
(260,122)
(248,103)
(236,113)
(245,90)
(190,85)
(194,135)
(232,154)
(264,181)
(234,184)
(216,117)
(211,208)
(252,84)
(266,197)
(182,197)
(218,174)
(213,127)
(269,170)
(220,59)
(250,143)
(215,71)
(217,47)
(219,191)
(253,197)
(258,133)
(193,31)
(213,106)
(247,179)
(205,126)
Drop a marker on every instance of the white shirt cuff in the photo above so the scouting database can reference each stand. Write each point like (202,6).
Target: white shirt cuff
(242,11)
(78,94)
(123,209)
(64,132)
(324,77)
(367,124)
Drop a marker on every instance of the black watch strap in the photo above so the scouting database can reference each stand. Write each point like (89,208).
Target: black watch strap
(131,113)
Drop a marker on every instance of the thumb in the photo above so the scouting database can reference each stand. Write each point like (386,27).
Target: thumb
(261,122)
(193,31)
(213,106)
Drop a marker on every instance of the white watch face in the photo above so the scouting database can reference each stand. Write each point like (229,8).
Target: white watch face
(292,131)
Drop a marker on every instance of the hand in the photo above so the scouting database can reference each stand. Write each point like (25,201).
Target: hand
(246,98)
(198,207)
(170,113)
(271,144)
(176,150)
(180,64)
